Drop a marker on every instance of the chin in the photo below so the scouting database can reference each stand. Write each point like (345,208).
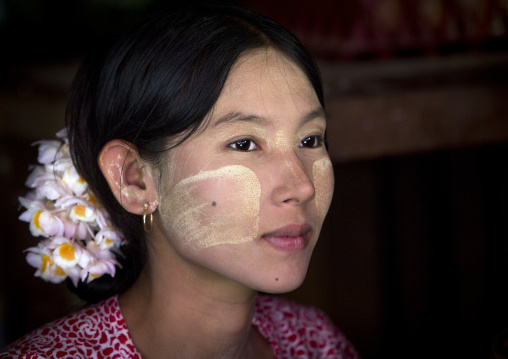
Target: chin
(281,289)
(282,282)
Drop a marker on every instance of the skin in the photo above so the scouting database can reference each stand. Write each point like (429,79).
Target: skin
(321,175)
(206,217)
(215,200)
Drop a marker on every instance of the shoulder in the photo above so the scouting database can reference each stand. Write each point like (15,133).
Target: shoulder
(298,331)
(96,331)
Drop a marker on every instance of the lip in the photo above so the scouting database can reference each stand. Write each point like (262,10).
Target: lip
(290,238)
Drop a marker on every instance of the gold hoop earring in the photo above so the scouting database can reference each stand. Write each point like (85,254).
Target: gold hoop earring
(148,227)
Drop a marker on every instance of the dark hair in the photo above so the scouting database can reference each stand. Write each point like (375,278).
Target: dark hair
(159,81)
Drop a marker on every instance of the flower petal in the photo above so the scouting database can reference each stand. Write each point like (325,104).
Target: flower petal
(66,255)
(81,241)
(74,181)
(50,224)
(47,150)
(83,213)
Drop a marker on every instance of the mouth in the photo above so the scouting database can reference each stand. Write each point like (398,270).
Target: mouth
(291,238)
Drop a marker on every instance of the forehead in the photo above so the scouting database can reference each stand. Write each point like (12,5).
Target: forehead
(267,66)
(262,83)
(264,76)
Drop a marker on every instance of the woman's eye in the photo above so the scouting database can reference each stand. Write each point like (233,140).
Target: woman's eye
(312,142)
(244,145)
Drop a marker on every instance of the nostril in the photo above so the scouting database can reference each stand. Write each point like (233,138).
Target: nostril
(298,193)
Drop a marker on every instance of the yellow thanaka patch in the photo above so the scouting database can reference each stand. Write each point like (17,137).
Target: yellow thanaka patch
(206,223)
(322,171)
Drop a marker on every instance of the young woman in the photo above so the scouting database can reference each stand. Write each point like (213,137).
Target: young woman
(202,134)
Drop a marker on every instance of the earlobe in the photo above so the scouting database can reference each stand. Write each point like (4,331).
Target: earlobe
(130,178)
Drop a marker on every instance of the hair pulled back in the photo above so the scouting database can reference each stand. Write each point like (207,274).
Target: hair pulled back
(153,84)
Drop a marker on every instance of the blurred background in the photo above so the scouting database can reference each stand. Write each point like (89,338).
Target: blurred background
(413,258)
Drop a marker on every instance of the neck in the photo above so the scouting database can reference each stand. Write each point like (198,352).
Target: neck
(188,313)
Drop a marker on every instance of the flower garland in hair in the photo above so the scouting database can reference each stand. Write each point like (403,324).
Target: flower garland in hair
(80,241)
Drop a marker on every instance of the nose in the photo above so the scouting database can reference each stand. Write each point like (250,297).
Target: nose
(293,184)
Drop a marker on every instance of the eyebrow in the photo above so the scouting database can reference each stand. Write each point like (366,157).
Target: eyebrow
(240,116)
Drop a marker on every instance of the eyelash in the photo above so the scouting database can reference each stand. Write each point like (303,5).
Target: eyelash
(319,141)
(242,142)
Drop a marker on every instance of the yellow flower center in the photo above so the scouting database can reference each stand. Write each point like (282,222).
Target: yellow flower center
(81,180)
(80,210)
(92,199)
(66,252)
(59,271)
(108,241)
(46,261)
(36,219)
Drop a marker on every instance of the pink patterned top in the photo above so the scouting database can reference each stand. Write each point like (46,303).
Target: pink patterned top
(99,331)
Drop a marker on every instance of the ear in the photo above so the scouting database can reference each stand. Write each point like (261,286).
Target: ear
(132,180)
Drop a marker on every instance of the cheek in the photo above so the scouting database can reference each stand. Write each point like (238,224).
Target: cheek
(214,207)
(322,173)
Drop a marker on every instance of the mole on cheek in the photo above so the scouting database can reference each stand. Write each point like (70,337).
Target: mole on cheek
(235,221)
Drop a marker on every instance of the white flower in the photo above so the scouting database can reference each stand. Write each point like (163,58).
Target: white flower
(34,175)
(98,268)
(62,134)
(44,223)
(98,252)
(74,181)
(31,206)
(108,238)
(74,273)
(40,258)
(77,230)
(48,150)
(81,242)
(103,262)
(49,186)
(67,253)
(84,213)
(103,220)
(68,201)
(61,164)
(79,208)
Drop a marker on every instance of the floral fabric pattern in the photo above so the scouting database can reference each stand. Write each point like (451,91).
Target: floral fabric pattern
(99,331)
(296,331)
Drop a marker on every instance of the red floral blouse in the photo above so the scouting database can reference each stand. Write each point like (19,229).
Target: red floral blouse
(99,331)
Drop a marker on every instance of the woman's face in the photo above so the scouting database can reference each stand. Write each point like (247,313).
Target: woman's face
(245,197)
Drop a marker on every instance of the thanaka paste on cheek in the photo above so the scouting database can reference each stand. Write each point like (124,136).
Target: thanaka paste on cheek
(322,172)
(215,207)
